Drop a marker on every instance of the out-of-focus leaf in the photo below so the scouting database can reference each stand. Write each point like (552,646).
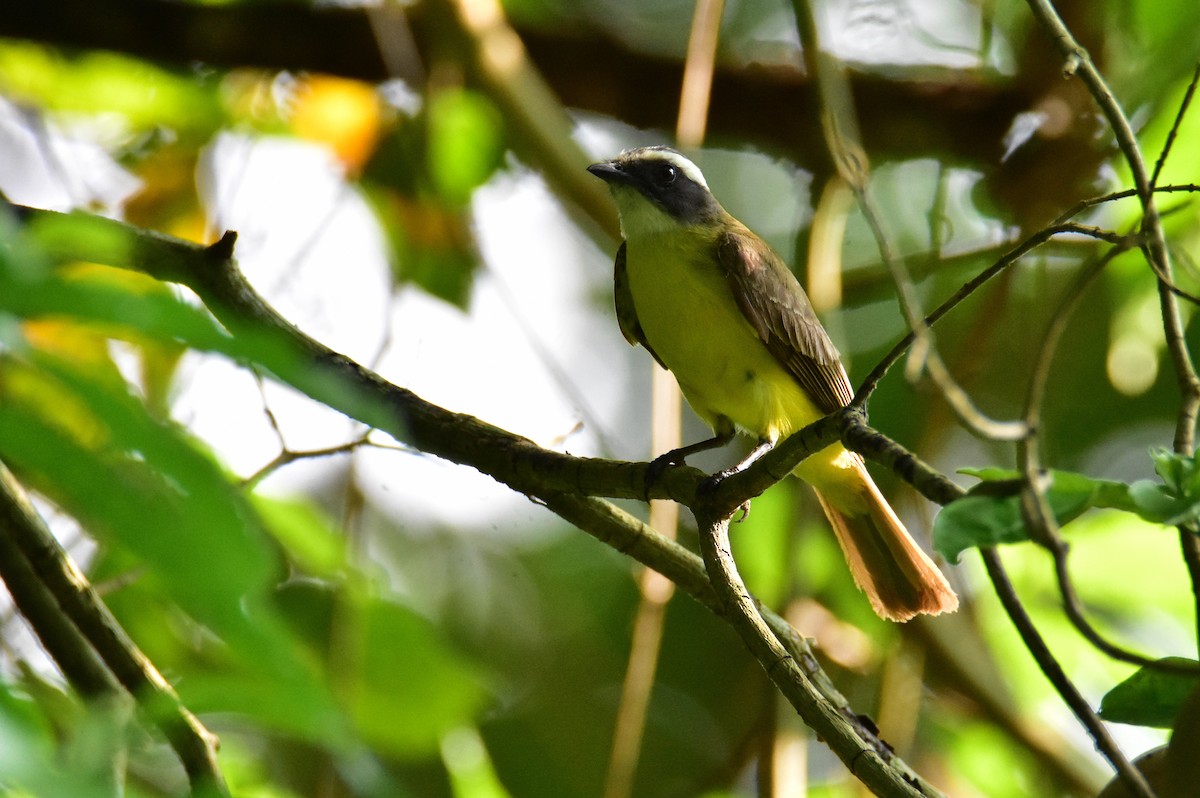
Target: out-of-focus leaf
(83,346)
(986,758)
(297,707)
(103,82)
(157,315)
(1149,697)
(411,688)
(420,181)
(62,236)
(304,532)
(431,244)
(990,513)
(465,143)
(29,760)
(212,567)
(1156,55)
(151,491)
(86,344)
(404,687)
(760,544)
(1176,500)
(469,766)
(30,290)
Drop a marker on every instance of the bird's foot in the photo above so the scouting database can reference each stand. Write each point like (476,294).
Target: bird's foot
(658,466)
(713,481)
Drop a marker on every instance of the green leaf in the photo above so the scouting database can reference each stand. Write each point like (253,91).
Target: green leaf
(30,757)
(1174,501)
(1150,697)
(465,143)
(412,688)
(403,685)
(990,514)
(977,521)
(304,531)
(143,95)
(147,488)
(295,707)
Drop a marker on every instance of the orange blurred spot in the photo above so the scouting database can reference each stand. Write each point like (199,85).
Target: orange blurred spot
(343,114)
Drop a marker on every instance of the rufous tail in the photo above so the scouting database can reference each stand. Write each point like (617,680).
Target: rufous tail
(888,565)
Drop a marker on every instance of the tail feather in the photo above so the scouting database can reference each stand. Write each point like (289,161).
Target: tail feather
(887,564)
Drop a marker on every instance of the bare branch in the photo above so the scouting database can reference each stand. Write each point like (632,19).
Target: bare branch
(864,754)
(1058,677)
(76,627)
(1183,107)
(1039,518)
(1078,62)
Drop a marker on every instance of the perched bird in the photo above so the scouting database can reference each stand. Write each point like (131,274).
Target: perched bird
(713,303)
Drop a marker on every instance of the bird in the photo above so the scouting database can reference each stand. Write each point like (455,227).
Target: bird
(714,304)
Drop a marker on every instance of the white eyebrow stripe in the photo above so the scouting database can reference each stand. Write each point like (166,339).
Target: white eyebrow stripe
(689,169)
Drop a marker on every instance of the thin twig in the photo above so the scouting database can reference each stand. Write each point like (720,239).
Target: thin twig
(1091,202)
(871,382)
(1039,517)
(1170,142)
(1079,62)
(289,456)
(1045,659)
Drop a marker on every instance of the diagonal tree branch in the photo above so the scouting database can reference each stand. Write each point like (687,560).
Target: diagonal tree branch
(562,483)
(86,641)
(37,603)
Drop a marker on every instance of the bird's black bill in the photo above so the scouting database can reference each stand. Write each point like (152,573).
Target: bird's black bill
(610,173)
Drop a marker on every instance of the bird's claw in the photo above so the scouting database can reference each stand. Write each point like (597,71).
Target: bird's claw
(657,467)
(713,481)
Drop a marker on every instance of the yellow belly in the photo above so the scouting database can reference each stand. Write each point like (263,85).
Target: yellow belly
(690,318)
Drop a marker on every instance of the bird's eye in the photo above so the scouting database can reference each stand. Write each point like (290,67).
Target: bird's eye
(666,174)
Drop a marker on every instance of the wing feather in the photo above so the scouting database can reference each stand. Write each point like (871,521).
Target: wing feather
(779,311)
(627,318)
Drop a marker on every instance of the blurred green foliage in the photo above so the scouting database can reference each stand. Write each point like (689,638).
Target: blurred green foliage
(1150,697)
(412,659)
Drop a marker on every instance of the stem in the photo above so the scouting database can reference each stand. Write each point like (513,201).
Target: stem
(1058,677)
(1079,62)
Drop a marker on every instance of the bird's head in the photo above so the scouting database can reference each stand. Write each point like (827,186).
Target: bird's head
(657,190)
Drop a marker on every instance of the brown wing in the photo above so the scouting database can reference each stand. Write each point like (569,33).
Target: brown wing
(631,328)
(779,310)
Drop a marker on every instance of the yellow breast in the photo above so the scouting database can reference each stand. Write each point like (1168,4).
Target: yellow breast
(690,318)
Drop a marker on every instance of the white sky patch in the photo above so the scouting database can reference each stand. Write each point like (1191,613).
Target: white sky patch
(46,167)
(537,352)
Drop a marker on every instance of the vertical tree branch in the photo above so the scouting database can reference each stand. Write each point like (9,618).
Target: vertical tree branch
(1040,519)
